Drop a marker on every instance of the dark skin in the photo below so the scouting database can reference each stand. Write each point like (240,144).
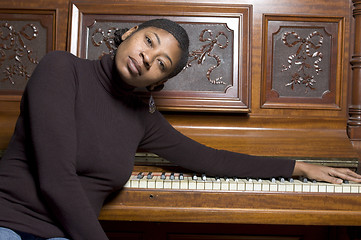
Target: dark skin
(148,56)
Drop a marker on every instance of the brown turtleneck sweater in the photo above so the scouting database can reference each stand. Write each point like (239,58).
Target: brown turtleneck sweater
(74,144)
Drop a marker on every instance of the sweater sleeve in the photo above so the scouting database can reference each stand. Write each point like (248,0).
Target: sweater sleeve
(49,101)
(162,139)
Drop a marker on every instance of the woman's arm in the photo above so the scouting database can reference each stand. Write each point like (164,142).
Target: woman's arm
(324,173)
(164,140)
(49,109)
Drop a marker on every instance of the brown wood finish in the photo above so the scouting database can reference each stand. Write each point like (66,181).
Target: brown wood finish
(46,18)
(290,130)
(298,118)
(185,231)
(330,98)
(354,122)
(234,207)
(235,97)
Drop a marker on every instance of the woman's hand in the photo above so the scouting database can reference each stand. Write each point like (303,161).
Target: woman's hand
(326,174)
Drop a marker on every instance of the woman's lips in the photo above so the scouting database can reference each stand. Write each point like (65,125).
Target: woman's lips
(133,66)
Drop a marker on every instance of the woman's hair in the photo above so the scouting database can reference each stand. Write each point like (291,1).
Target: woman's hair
(173,28)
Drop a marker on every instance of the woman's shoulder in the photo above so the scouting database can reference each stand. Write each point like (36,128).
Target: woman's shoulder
(62,62)
(59,56)
(55,66)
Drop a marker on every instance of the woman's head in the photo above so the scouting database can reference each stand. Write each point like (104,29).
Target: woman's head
(151,53)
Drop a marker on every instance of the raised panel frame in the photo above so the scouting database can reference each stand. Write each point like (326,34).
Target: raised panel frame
(22,40)
(331,97)
(235,98)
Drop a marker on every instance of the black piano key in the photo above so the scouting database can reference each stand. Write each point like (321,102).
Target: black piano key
(181,176)
(304,180)
(150,175)
(172,176)
(140,175)
(204,177)
(162,176)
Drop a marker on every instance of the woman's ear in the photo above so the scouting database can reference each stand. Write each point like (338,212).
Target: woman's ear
(129,32)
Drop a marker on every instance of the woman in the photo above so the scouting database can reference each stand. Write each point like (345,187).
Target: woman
(80,126)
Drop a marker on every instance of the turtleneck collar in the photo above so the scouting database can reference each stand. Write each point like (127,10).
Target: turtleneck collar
(110,79)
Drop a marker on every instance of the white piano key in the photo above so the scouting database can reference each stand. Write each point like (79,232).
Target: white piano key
(257,185)
(266,185)
(176,184)
(241,184)
(338,188)
(134,182)
(355,188)
(306,187)
(200,184)
(224,184)
(192,184)
(127,184)
(322,187)
(208,184)
(289,187)
(151,183)
(159,182)
(232,185)
(314,187)
(216,184)
(143,183)
(173,181)
(249,185)
(167,183)
(297,185)
(184,183)
(281,187)
(330,188)
(273,186)
(346,188)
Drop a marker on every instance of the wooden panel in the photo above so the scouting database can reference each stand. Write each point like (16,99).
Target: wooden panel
(228,237)
(26,36)
(200,231)
(217,75)
(354,123)
(124,235)
(251,208)
(302,62)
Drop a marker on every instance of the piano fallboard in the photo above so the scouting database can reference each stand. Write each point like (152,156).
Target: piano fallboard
(209,206)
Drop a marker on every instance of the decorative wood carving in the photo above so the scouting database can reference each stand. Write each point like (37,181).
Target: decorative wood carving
(300,55)
(25,37)
(354,122)
(217,75)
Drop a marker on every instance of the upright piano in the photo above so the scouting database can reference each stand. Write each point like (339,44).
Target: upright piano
(277,78)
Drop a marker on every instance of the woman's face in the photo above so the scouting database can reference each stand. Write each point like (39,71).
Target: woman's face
(146,57)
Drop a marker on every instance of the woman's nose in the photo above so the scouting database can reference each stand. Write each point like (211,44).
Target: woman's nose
(147,59)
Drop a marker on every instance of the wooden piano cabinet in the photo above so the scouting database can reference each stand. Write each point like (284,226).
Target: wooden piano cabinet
(270,126)
(117,230)
(205,206)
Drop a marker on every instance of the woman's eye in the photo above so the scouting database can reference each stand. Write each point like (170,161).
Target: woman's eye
(162,65)
(149,41)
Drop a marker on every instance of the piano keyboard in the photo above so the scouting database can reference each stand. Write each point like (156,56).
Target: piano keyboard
(181,181)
